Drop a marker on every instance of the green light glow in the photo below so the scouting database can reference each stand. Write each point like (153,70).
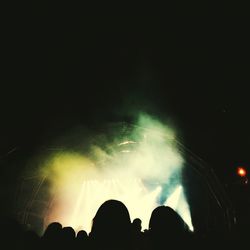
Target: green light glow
(80,182)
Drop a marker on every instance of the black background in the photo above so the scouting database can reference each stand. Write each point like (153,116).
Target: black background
(61,69)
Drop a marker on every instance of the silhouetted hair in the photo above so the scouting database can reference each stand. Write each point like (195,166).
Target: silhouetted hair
(136,224)
(53,231)
(82,234)
(111,223)
(164,218)
(68,232)
(166,227)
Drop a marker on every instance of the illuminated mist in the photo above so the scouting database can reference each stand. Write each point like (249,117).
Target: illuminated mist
(141,169)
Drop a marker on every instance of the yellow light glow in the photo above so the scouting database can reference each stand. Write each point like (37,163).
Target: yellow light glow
(79,184)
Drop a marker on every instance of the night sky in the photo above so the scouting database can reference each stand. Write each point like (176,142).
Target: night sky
(59,73)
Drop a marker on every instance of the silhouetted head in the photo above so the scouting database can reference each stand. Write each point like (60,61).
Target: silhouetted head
(82,235)
(68,233)
(165,219)
(112,221)
(136,224)
(67,239)
(53,231)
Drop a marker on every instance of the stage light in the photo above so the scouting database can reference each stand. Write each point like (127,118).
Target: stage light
(178,202)
(241,171)
(123,169)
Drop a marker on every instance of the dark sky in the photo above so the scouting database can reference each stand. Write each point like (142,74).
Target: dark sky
(59,72)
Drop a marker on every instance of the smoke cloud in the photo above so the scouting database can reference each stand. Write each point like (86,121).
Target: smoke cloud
(138,164)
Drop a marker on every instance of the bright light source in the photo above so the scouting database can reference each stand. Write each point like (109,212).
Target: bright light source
(177,201)
(173,200)
(241,171)
(132,192)
(80,183)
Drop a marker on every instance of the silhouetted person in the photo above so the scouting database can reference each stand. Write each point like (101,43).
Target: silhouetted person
(136,225)
(68,238)
(111,228)
(82,240)
(166,228)
(137,235)
(51,238)
(82,235)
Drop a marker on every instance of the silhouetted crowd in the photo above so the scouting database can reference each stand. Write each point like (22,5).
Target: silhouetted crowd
(112,229)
